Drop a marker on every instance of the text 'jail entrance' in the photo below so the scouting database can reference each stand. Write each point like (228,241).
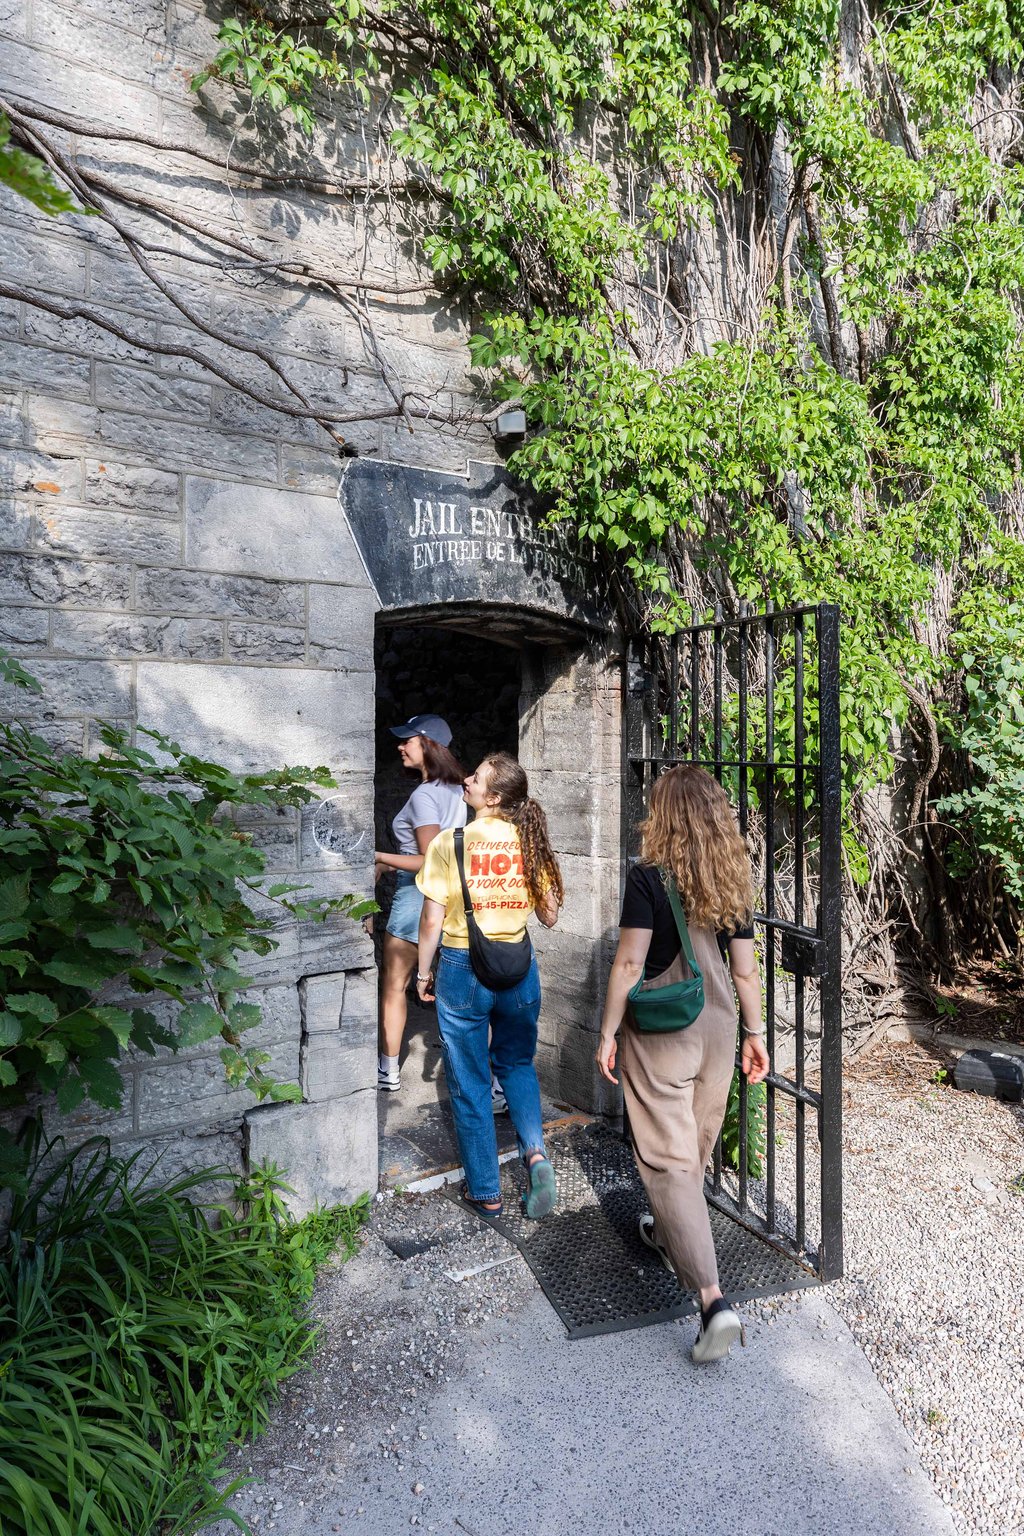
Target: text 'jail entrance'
(756,701)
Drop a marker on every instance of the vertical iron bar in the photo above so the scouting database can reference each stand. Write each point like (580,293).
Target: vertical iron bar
(741,754)
(742,744)
(672,746)
(798,918)
(694,695)
(769,905)
(716,722)
(830,917)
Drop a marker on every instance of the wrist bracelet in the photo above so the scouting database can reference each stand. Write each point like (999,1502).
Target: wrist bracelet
(747,1033)
(424,978)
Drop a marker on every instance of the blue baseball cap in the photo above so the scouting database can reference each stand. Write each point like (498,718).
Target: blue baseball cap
(424,725)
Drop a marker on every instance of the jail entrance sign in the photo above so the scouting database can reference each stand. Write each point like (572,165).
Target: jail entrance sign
(427,538)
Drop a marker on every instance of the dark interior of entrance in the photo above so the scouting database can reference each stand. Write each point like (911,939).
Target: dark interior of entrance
(474,683)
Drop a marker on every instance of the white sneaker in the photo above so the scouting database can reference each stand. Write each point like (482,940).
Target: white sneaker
(499,1104)
(390,1082)
(720,1327)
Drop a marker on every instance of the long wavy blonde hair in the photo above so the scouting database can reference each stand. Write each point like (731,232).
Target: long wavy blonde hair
(691,833)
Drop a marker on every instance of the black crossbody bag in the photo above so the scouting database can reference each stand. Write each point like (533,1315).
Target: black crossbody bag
(497,964)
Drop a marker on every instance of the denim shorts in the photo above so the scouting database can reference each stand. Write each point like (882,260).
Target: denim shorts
(404,919)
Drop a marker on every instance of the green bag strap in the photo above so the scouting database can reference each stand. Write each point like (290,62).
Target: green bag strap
(684,932)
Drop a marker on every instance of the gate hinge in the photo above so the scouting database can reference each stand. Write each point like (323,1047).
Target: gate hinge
(804,955)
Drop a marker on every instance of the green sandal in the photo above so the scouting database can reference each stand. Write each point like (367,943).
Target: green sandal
(542,1194)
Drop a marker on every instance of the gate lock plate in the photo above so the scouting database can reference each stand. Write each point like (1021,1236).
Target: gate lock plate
(804,955)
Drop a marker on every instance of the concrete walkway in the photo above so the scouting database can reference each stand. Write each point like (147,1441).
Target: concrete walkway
(539,1436)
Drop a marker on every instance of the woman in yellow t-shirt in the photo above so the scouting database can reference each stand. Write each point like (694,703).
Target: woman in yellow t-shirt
(511,871)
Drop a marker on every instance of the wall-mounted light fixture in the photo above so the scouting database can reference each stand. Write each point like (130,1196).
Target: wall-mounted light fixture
(510,424)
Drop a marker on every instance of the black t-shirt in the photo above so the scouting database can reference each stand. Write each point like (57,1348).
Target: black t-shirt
(645,904)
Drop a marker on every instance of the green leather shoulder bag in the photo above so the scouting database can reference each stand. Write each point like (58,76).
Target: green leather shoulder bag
(672,1000)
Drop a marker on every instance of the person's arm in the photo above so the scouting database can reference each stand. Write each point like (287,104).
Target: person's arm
(410,861)
(431,920)
(747,981)
(627,969)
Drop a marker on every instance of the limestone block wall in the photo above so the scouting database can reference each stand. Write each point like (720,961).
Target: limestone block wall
(172,553)
(570,745)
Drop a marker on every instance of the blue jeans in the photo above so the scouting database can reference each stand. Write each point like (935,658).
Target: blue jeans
(466,1010)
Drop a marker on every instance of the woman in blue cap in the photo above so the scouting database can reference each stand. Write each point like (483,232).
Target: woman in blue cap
(435,803)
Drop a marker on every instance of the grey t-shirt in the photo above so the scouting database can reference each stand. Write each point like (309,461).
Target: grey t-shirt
(431,804)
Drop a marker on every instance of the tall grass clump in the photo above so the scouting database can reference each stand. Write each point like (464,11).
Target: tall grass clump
(138,1338)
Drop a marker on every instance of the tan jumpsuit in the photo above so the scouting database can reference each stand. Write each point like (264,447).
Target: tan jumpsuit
(676,1088)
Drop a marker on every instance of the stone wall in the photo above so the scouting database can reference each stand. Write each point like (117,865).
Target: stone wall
(173,553)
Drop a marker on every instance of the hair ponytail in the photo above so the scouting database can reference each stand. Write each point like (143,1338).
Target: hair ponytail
(540,867)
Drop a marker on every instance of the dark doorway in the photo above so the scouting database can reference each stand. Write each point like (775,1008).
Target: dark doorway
(475,684)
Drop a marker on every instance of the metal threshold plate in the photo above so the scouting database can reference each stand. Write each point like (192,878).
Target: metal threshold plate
(588,1257)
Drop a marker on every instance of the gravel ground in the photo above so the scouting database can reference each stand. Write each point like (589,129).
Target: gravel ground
(934,1217)
(934,1199)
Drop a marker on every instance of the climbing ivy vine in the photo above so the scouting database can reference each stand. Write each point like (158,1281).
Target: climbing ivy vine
(754,271)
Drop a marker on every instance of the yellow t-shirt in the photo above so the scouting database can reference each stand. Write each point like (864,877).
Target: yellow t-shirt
(494,874)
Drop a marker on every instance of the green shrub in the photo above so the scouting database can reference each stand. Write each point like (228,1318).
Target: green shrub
(124,873)
(756,1096)
(137,1340)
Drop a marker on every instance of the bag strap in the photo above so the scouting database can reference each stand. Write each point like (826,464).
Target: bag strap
(684,932)
(460,859)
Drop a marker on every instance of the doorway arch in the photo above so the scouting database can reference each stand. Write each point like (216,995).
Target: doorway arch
(549,691)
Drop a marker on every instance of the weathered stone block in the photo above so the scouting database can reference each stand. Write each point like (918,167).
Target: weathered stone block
(55,371)
(276,840)
(328,1151)
(321,999)
(16,525)
(141,389)
(266,642)
(331,1068)
(252,718)
(241,597)
(337,831)
(56,265)
(26,578)
(342,1002)
(13,420)
(317,472)
(24,628)
(166,1158)
(238,413)
(422,318)
(71,690)
(259,532)
(341,624)
(23,472)
(88,340)
(115,279)
(90,1119)
(105,634)
(186,444)
(192,1090)
(432,447)
(106,535)
(133,487)
(55,82)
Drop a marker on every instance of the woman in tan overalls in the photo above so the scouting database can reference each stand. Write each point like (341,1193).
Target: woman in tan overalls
(676,1085)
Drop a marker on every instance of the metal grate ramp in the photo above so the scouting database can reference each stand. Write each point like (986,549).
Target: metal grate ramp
(588,1257)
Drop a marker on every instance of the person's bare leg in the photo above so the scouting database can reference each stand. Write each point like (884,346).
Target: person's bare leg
(709,1293)
(399,964)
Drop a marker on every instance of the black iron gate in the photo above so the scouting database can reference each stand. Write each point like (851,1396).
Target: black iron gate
(756,701)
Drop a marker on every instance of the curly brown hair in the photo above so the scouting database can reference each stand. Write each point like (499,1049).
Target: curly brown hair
(691,833)
(507,779)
